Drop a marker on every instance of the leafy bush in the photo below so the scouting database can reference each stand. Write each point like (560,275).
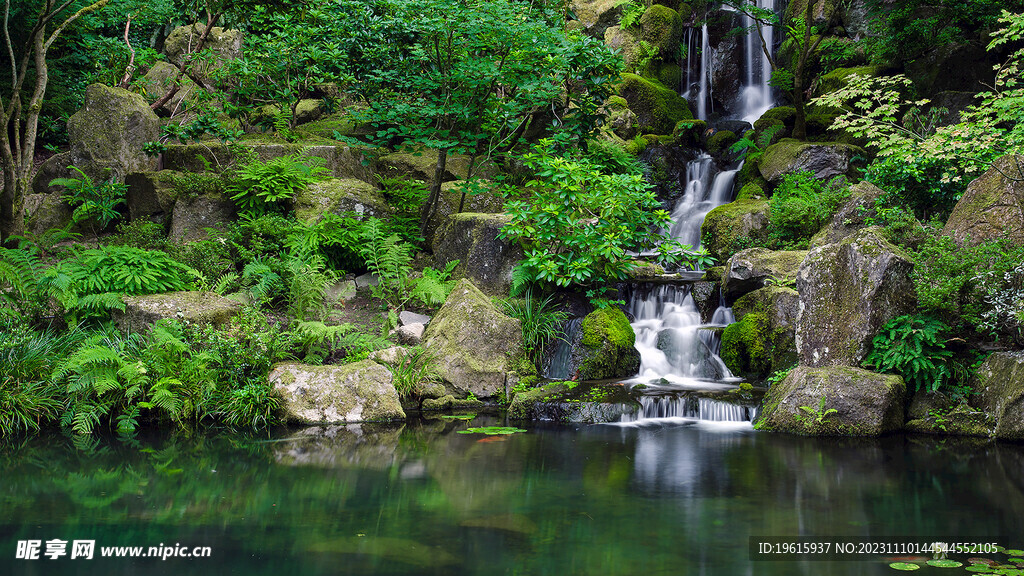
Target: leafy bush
(405,196)
(917,182)
(123,270)
(915,348)
(92,201)
(140,233)
(611,158)
(801,205)
(259,187)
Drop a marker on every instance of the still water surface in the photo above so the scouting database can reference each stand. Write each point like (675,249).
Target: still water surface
(676,499)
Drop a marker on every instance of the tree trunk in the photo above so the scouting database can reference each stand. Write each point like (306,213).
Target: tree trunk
(435,191)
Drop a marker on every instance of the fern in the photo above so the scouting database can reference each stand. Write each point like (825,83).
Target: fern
(391,260)
(307,286)
(91,200)
(415,369)
(631,13)
(433,288)
(19,280)
(318,341)
(913,346)
(260,187)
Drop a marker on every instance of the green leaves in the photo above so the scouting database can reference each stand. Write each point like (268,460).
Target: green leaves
(259,186)
(915,348)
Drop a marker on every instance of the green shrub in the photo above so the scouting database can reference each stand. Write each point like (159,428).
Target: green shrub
(405,196)
(802,204)
(915,348)
(92,201)
(611,158)
(415,370)
(259,187)
(143,234)
(123,270)
(917,182)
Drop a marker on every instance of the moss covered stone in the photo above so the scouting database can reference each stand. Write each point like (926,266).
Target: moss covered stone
(152,194)
(206,308)
(992,206)
(606,347)
(338,196)
(825,160)
(851,216)
(734,226)
(159,78)
(960,420)
(485,258)
(751,192)
(848,291)
(422,165)
(223,45)
(999,383)
(662,27)
(658,109)
(865,403)
(755,268)
(475,345)
(764,338)
(625,41)
(840,77)
(342,160)
(345,394)
(108,132)
(719,142)
(596,15)
(585,403)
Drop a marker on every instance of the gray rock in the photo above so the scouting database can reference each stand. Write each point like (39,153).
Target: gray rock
(141,312)
(755,268)
(826,160)
(474,344)
(389,356)
(159,78)
(411,334)
(866,403)
(851,216)
(763,339)
(406,317)
(344,162)
(224,45)
(346,394)
(56,166)
(45,212)
(992,206)
(848,291)
(107,134)
(151,194)
(337,196)
(191,216)
(1000,386)
(450,200)
(483,257)
(365,281)
(341,291)
(596,15)
(581,403)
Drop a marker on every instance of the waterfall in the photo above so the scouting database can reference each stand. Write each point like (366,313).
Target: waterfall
(756,94)
(561,363)
(694,407)
(706,89)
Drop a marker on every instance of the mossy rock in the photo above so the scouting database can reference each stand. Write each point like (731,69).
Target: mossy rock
(327,127)
(596,15)
(668,73)
(719,142)
(584,403)
(991,207)
(625,41)
(204,308)
(851,216)
(822,13)
(159,78)
(689,133)
(308,110)
(751,192)
(339,196)
(960,420)
(422,165)
(152,194)
(484,257)
(108,132)
(342,160)
(735,226)
(345,394)
(662,27)
(840,77)
(763,340)
(999,383)
(621,121)
(222,44)
(863,403)
(44,212)
(606,346)
(755,268)
(825,159)
(658,109)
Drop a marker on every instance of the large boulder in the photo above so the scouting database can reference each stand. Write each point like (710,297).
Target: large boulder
(206,308)
(346,394)
(483,199)
(223,46)
(159,78)
(45,212)
(661,27)
(107,134)
(992,207)
(483,257)
(658,109)
(734,226)
(851,216)
(192,216)
(825,160)
(999,383)
(476,346)
(337,196)
(625,41)
(152,194)
(596,15)
(605,347)
(763,339)
(848,291)
(56,166)
(755,268)
(865,403)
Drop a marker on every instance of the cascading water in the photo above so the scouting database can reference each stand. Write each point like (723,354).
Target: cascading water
(756,94)
(706,88)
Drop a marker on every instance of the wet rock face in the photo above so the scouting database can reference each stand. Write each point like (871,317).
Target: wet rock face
(834,401)
(473,342)
(848,291)
(992,207)
(346,394)
(1000,386)
(763,339)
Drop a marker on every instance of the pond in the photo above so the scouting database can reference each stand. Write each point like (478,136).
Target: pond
(673,497)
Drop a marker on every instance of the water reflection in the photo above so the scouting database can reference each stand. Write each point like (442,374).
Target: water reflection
(421,498)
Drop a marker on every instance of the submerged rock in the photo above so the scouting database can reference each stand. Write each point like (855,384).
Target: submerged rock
(848,291)
(606,347)
(141,312)
(999,383)
(574,402)
(992,206)
(864,403)
(346,394)
(475,345)
(756,268)
(483,256)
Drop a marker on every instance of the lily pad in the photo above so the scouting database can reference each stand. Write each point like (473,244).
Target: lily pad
(980,568)
(1014,552)
(458,416)
(492,430)
(945,563)
(904,566)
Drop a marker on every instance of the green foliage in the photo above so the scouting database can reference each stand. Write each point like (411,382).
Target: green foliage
(812,417)
(752,145)
(317,342)
(91,200)
(492,430)
(801,205)
(140,233)
(541,321)
(611,158)
(122,270)
(908,30)
(406,196)
(915,348)
(631,13)
(577,225)
(415,370)
(259,187)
